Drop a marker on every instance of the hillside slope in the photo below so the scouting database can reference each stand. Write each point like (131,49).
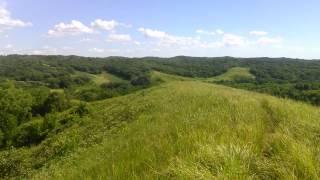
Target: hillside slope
(192,130)
(233,74)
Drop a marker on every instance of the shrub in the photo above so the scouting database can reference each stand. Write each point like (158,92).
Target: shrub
(29,133)
(56,101)
(49,122)
(82,109)
(1,138)
(140,81)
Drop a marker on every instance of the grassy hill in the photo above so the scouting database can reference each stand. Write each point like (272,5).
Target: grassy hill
(99,79)
(233,74)
(184,130)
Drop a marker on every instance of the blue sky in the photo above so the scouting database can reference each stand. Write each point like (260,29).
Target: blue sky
(241,28)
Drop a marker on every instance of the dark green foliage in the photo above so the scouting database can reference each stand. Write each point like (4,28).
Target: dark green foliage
(40,96)
(49,122)
(56,101)
(140,81)
(28,133)
(127,68)
(52,71)
(15,106)
(17,127)
(2,138)
(82,110)
(134,70)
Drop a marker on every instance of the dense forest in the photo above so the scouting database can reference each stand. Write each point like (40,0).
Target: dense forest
(290,78)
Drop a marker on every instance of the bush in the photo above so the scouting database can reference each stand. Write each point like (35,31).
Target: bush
(82,109)
(29,133)
(140,81)
(56,101)
(1,138)
(49,122)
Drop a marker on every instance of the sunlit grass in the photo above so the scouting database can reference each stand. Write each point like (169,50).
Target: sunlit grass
(232,74)
(101,78)
(194,130)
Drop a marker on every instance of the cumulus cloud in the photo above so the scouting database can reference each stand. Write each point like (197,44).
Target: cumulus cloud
(259,33)
(119,37)
(150,33)
(73,28)
(108,25)
(45,50)
(219,31)
(8,22)
(105,25)
(233,40)
(206,32)
(165,39)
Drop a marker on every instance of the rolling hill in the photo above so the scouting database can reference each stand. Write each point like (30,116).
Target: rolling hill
(234,74)
(183,130)
(68,117)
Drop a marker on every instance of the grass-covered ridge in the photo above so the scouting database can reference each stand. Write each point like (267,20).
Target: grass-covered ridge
(195,130)
(234,74)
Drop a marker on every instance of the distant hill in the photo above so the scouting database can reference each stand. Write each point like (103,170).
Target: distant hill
(234,74)
(290,78)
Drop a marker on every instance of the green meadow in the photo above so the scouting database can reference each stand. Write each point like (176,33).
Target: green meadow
(194,130)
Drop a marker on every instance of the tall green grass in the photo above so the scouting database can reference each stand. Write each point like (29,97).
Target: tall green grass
(236,73)
(194,130)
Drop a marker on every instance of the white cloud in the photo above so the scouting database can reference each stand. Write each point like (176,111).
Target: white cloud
(96,50)
(269,40)
(9,46)
(105,25)
(8,22)
(108,25)
(201,31)
(45,50)
(37,52)
(153,33)
(219,31)
(206,32)
(259,33)
(119,37)
(165,39)
(233,40)
(74,28)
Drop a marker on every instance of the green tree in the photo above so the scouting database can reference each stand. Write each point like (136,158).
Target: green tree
(1,138)
(28,133)
(15,109)
(56,102)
